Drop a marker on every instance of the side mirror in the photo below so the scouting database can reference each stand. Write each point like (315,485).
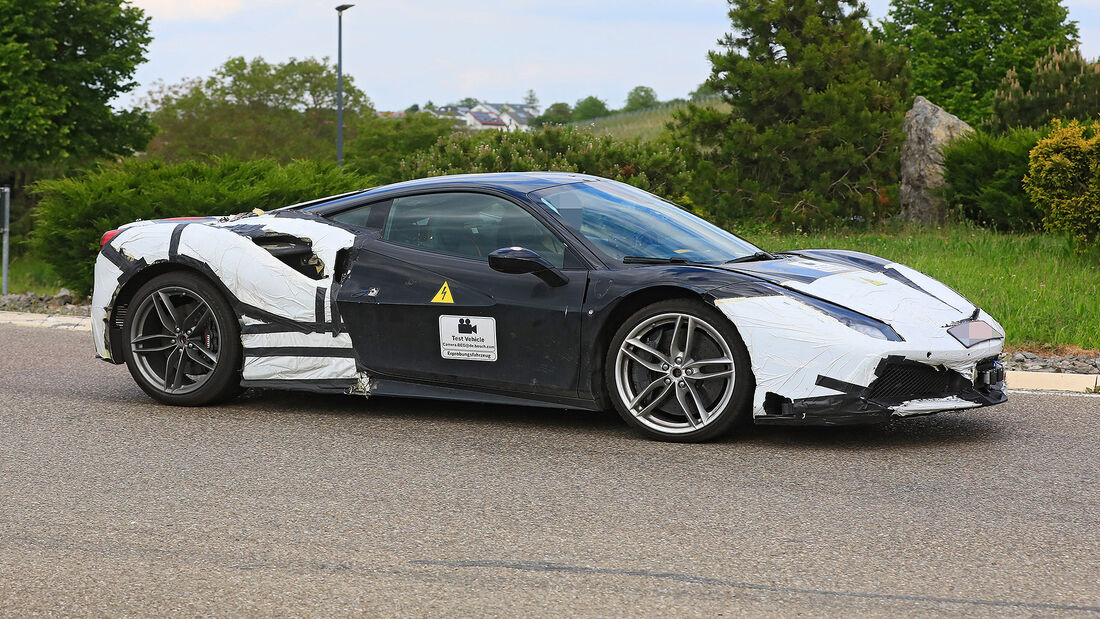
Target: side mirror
(517,260)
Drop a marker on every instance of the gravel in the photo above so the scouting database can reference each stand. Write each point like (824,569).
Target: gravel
(1068,364)
(64,302)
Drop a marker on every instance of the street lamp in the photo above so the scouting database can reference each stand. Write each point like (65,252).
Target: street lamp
(340,82)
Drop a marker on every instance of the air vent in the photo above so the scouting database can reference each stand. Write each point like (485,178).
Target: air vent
(900,382)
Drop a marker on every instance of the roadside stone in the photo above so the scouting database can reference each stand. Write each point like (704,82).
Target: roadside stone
(928,129)
(1057,364)
(62,303)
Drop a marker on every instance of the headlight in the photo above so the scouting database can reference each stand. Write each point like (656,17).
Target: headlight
(973,332)
(853,320)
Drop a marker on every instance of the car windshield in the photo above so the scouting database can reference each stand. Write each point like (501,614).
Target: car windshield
(631,225)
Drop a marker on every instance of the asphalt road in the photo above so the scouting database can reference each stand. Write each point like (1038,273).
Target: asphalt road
(296,504)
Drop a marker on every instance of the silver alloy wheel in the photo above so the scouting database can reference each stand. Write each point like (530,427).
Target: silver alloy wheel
(175,339)
(675,373)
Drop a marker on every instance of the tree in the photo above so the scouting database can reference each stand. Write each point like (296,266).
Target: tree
(468,102)
(556,114)
(814,128)
(589,108)
(531,99)
(959,50)
(640,98)
(1063,85)
(62,62)
(412,109)
(252,109)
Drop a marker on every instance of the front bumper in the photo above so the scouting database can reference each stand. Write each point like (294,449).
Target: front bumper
(809,368)
(898,391)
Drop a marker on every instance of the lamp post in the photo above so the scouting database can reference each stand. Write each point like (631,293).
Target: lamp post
(340,82)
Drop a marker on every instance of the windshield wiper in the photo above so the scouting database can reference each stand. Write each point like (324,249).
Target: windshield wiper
(760,255)
(654,260)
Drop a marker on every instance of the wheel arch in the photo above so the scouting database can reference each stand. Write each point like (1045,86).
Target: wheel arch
(120,304)
(619,312)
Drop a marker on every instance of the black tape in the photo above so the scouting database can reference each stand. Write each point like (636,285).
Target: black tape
(257,328)
(335,313)
(316,385)
(299,351)
(174,242)
(838,385)
(116,257)
(319,305)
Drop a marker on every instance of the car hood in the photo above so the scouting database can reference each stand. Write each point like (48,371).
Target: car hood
(902,297)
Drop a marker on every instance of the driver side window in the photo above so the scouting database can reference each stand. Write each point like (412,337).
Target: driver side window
(468,225)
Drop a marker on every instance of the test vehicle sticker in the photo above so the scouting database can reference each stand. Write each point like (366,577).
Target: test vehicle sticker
(473,338)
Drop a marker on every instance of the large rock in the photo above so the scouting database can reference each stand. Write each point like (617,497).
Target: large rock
(928,128)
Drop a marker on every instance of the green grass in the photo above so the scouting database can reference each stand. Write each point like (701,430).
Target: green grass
(1045,296)
(26,274)
(643,124)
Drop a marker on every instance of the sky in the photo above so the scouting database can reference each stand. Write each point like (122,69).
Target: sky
(411,51)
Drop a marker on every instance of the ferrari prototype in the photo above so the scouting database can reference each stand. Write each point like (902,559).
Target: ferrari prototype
(549,289)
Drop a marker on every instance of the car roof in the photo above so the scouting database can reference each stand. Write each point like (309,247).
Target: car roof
(508,182)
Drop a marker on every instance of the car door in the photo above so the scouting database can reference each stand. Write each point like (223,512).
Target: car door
(421,302)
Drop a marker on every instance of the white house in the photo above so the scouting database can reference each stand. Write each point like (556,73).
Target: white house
(516,116)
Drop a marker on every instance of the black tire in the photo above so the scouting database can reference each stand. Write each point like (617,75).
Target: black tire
(662,384)
(187,356)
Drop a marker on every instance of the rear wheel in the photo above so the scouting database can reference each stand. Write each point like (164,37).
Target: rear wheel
(183,341)
(677,370)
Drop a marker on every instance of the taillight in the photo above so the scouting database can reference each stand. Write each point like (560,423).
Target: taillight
(107,236)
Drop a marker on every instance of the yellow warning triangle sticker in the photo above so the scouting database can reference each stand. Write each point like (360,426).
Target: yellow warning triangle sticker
(444,295)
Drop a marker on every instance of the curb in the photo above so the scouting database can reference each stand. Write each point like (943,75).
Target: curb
(1026,381)
(1049,381)
(50,321)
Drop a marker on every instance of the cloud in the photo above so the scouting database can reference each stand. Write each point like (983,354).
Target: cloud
(201,10)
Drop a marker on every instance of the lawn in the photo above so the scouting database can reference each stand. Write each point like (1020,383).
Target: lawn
(27,274)
(1045,296)
(642,124)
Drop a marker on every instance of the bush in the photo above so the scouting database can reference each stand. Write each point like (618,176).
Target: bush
(984,176)
(656,166)
(1064,180)
(75,211)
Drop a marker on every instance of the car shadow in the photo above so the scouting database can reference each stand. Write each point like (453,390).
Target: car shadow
(942,429)
(383,407)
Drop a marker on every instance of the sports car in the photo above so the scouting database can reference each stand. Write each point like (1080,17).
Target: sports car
(550,289)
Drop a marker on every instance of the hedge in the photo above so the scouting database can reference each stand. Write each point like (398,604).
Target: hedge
(656,166)
(74,212)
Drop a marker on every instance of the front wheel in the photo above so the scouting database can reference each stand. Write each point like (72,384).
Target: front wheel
(183,341)
(678,370)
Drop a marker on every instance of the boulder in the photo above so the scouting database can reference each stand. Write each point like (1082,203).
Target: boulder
(928,128)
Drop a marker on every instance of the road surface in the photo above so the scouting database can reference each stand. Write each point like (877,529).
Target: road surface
(283,503)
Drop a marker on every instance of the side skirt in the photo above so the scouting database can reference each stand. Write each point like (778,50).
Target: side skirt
(404,389)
